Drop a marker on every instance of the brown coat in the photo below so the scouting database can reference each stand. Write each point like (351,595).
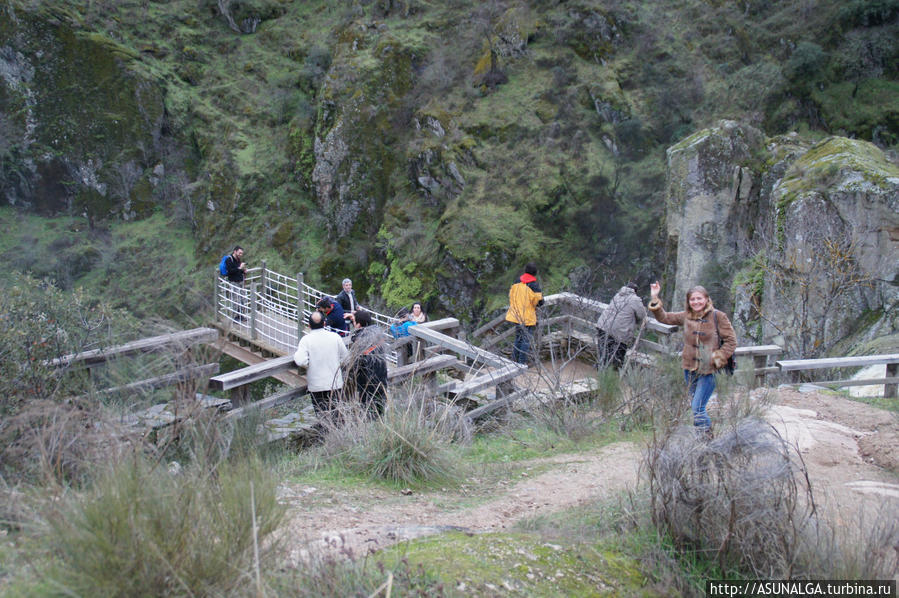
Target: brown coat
(701,351)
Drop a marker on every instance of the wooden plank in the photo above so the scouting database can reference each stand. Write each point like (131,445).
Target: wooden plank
(495,340)
(459,347)
(252,373)
(177,340)
(426,366)
(598,306)
(489,325)
(250,358)
(758,350)
(268,402)
(484,381)
(182,375)
(791,365)
(870,382)
(496,404)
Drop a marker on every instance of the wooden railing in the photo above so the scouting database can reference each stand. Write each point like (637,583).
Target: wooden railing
(890,382)
(270,309)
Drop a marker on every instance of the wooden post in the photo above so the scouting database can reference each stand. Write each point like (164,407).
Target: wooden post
(889,390)
(300,294)
(240,395)
(401,355)
(759,362)
(253,289)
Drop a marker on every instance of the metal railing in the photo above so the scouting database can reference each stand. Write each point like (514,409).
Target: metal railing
(271,308)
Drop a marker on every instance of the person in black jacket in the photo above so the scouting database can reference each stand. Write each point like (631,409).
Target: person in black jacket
(367,372)
(236,270)
(333,313)
(347,298)
(235,266)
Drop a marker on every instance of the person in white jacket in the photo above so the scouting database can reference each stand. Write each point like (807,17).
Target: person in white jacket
(321,352)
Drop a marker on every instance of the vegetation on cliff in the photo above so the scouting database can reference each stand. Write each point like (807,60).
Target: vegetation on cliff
(426,149)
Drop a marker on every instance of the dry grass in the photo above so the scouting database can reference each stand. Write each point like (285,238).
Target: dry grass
(410,444)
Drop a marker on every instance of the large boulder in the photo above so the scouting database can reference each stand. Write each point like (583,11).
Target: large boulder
(799,240)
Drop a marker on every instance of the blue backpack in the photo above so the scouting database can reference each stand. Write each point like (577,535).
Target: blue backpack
(223,267)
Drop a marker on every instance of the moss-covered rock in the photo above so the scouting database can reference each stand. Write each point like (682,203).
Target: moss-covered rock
(86,124)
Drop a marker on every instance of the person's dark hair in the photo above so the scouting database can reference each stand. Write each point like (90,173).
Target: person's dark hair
(363,318)
(237,248)
(632,285)
(323,302)
(531,268)
(316,320)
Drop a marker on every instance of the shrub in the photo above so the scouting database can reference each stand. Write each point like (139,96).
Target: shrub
(58,443)
(745,501)
(742,498)
(38,322)
(142,531)
(332,577)
(409,444)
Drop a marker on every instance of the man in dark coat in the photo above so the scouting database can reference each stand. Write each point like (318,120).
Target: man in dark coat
(347,298)
(235,266)
(236,270)
(333,315)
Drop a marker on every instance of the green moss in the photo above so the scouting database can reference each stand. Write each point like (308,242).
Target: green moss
(522,564)
(822,164)
(752,276)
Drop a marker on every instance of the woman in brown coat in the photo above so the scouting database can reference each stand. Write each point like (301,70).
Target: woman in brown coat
(709,340)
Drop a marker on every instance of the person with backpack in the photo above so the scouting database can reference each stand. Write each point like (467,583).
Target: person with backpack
(709,343)
(234,269)
(367,371)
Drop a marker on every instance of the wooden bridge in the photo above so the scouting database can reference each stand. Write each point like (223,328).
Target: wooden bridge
(260,323)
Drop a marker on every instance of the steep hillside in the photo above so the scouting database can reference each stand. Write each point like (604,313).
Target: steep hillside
(426,149)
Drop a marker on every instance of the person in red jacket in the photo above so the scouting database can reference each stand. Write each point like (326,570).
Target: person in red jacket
(525,297)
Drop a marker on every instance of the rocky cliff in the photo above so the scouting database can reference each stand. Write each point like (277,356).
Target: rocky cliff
(799,238)
(429,149)
(82,127)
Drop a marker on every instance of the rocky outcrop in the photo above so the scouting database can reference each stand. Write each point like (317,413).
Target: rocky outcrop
(800,240)
(356,131)
(835,251)
(709,180)
(81,129)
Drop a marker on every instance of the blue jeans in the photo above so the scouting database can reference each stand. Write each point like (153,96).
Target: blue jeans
(522,347)
(701,387)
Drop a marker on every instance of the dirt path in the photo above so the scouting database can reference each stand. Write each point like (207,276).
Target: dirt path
(849,449)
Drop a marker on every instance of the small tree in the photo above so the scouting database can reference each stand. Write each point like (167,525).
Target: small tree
(805,289)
